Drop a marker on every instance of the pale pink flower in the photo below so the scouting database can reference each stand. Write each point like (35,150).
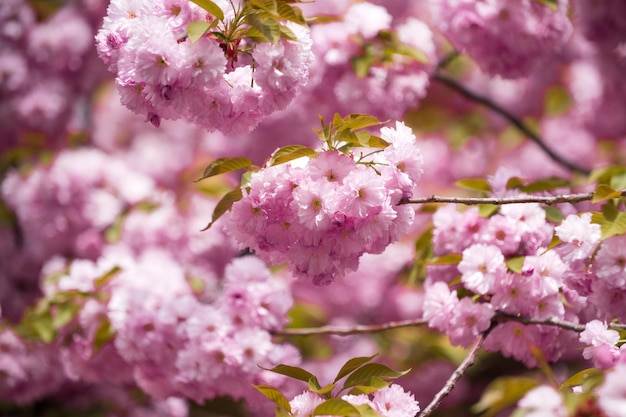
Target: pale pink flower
(480,267)
(543,401)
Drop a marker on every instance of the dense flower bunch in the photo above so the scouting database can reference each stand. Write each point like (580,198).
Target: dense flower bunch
(46,67)
(506,38)
(374,64)
(321,214)
(162,73)
(170,339)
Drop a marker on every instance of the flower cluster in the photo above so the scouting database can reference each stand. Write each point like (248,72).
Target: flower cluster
(488,247)
(171,333)
(162,73)
(321,214)
(505,38)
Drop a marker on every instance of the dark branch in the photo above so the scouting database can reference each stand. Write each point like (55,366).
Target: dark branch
(453,84)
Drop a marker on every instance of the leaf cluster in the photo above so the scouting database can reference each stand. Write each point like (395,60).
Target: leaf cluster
(344,133)
(360,377)
(54,314)
(258,20)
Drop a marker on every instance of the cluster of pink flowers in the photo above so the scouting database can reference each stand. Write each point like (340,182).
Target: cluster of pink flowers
(171,337)
(506,38)
(391,401)
(321,214)
(161,73)
(535,289)
(46,68)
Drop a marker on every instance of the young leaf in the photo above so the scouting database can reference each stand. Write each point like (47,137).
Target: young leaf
(224,205)
(613,225)
(604,192)
(545,184)
(102,280)
(274,395)
(502,393)
(581,377)
(515,264)
(336,407)
(289,153)
(224,165)
(267,26)
(553,214)
(352,365)
(64,314)
(476,184)
(326,389)
(196,30)
(448,259)
(362,375)
(293,372)
(210,7)
(290,13)
(372,385)
(553,4)
(366,411)
(357,121)
(43,328)
(104,333)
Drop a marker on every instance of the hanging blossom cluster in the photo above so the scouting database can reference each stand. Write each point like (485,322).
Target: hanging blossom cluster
(555,284)
(506,38)
(162,73)
(321,214)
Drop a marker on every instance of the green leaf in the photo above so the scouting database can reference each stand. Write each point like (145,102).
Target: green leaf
(293,372)
(196,30)
(224,165)
(486,210)
(356,121)
(43,328)
(581,377)
(269,28)
(614,227)
(64,314)
(224,205)
(210,7)
(104,334)
(448,259)
(336,407)
(557,101)
(476,184)
(545,184)
(274,395)
(514,182)
(604,192)
(412,52)
(553,214)
(503,393)
(352,365)
(267,5)
(102,280)
(366,411)
(372,385)
(549,3)
(363,375)
(325,390)
(289,153)
(290,13)
(515,264)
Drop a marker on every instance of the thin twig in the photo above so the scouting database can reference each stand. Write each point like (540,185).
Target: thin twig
(549,200)
(515,121)
(567,325)
(456,375)
(357,329)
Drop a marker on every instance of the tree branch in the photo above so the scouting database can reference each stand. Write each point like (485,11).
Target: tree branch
(456,375)
(521,126)
(567,325)
(549,200)
(344,331)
